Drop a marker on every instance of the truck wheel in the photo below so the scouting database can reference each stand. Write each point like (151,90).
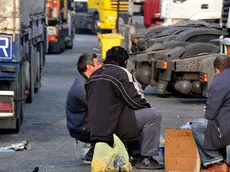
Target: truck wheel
(69,44)
(22,113)
(37,84)
(197,48)
(18,126)
(95,26)
(42,55)
(58,47)
(62,44)
(18,104)
(19,119)
(154,31)
(199,35)
(31,80)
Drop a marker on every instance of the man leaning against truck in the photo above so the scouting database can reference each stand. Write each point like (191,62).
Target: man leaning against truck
(76,104)
(212,132)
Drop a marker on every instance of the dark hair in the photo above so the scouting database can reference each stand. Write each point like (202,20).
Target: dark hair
(222,62)
(116,55)
(83,60)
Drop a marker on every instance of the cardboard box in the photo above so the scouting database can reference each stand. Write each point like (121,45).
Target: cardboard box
(181,154)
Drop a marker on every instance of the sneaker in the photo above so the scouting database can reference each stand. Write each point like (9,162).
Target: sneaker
(88,157)
(148,163)
(133,160)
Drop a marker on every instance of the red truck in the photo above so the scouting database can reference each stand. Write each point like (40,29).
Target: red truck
(152,13)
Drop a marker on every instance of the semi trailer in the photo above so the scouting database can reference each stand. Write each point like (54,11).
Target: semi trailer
(22,57)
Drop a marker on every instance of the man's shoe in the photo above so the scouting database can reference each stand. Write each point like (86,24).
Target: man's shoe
(148,163)
(89,156)
(133,160)
(217,168)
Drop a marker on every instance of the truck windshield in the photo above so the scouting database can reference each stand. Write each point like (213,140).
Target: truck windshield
(80,6)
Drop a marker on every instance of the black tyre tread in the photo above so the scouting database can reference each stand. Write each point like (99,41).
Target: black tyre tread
(197,48)
(186,35)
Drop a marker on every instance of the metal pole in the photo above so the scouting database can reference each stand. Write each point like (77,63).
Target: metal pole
(118,15)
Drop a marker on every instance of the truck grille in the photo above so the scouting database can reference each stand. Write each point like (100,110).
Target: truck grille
(124,5)
(225,13)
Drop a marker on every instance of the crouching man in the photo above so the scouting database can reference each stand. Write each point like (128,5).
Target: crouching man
(76,103)
(212,132)
(116,105)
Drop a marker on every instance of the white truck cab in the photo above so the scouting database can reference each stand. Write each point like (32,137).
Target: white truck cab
(225,24)
(173,11)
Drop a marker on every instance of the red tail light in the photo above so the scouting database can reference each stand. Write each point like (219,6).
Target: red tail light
(6,104)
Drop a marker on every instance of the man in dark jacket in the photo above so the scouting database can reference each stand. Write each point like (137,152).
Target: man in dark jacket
(212,132)
(76,105)
(116,105)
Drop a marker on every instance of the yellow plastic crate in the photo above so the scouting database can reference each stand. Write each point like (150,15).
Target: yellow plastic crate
(108,41)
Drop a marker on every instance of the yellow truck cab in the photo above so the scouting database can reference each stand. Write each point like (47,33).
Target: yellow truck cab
(99,15)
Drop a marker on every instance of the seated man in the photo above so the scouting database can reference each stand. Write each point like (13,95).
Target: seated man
(76,105)
(116,105)
(212,132)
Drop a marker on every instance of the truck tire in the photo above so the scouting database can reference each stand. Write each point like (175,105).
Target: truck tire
(197,48)
(172,30)
(19,119)
(18,87)
(60,45)
(37,84)
(154,31)
(173,44)
(30,97)
(69,44)
(42,55)
(199,35)
(95,20)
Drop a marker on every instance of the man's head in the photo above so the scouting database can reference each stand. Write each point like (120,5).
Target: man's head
(117,56)
(87,64)
(221,63)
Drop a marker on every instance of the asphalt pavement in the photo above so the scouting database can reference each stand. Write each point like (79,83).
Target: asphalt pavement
(52,149)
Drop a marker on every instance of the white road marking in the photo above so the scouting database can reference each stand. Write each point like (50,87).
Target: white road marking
(82,53)
(78,39)
(96,49)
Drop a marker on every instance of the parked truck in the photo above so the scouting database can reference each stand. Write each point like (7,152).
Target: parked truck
(225,24)
(22,57)
(169,12)
(61,25)
(152,13)
(99,16)
(177,58)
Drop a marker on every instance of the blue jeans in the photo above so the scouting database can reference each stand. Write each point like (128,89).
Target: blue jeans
(207,157)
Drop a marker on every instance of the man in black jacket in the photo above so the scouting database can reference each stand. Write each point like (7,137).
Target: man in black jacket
(76,105)
(212,132)
(116,105)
